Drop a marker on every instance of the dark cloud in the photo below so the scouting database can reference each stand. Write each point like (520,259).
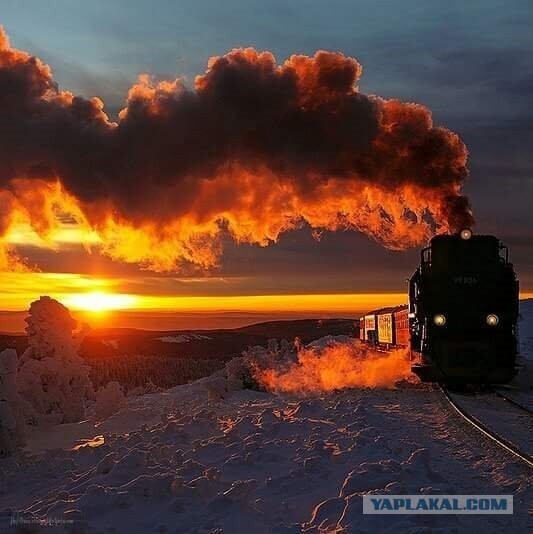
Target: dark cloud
(253,150)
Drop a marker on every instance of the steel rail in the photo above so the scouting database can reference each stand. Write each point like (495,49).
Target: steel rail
(496,438)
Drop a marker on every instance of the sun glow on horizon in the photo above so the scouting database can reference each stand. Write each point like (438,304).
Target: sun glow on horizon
(99,301)
(103,298)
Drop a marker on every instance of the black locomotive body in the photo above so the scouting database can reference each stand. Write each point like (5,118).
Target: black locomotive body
(463,311)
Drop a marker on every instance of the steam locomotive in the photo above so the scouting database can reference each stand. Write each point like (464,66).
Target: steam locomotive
(461,321)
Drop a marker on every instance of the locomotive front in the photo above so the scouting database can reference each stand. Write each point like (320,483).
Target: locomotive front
(463,309)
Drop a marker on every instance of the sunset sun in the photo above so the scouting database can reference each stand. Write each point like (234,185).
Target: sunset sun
(99,301)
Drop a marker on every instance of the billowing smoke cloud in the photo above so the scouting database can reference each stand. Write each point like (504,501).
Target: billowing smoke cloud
(254,149)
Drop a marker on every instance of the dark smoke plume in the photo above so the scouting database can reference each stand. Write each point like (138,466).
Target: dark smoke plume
(253,149)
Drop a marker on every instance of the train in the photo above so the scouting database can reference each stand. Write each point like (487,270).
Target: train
(460,323)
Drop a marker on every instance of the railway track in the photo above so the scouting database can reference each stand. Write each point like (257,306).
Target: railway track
(521,451)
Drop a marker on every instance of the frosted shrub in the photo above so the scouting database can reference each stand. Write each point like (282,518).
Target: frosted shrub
(52,379)
(8,375)
(8,429)
(11,427)
(236,374)
(109,400)
(241,372)
(216,388)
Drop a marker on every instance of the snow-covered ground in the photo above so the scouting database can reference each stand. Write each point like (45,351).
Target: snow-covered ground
(257,462)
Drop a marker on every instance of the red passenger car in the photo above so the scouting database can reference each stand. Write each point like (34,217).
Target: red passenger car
(386,327)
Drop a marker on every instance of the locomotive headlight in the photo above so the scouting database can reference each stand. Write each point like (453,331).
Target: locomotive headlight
(439,319)
(466,233)
(492,319)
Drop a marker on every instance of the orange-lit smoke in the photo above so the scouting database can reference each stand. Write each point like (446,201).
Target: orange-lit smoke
(337,366)
(253,150)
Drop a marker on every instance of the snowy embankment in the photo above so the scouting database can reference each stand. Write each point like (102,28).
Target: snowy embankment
(524,379)
(525,328)
(208,458)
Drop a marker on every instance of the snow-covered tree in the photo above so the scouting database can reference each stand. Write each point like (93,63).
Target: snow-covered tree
(52,379)
(109,400)
(11,427)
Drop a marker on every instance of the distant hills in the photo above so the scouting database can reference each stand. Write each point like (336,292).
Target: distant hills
(197,344)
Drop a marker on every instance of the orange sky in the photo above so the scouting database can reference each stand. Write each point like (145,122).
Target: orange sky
(85,293)
(151,292)
(167,300)
(103,302)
